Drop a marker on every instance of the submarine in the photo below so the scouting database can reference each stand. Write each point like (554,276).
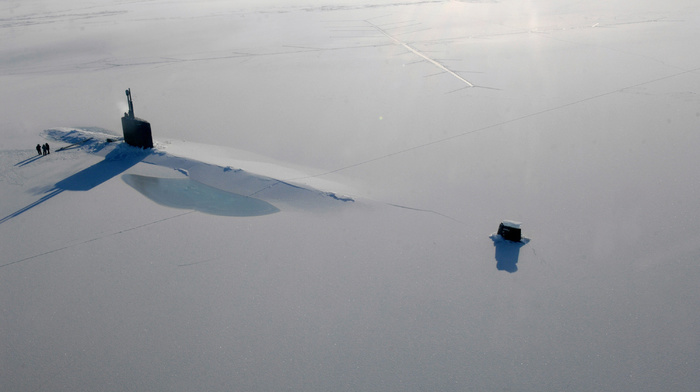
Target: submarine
(137,131)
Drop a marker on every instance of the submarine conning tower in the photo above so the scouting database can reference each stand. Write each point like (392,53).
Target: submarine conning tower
(137,132)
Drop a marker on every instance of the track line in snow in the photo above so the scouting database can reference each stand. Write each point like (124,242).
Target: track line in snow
(428,211)
(487,127)
(420,54)
(96,238)
(199,262)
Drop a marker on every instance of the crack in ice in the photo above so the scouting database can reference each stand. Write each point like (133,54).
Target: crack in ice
(420,54)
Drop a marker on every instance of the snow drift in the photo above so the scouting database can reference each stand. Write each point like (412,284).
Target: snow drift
(208,188)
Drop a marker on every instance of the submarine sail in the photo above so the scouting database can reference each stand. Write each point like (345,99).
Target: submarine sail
(137,132)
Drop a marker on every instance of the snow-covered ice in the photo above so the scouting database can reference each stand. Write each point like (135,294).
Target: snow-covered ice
(316,212)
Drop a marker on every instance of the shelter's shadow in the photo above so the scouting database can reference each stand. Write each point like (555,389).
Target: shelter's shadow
(507,253)
(114,163)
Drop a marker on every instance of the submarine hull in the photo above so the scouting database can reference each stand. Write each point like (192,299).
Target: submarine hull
(137,132)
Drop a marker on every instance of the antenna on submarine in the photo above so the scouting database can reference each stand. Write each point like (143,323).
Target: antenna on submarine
(131,104)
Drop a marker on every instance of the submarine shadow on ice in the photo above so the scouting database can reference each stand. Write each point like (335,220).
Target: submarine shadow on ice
(114,163)
(185,193)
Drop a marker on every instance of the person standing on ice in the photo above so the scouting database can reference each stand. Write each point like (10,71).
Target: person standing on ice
(48,149)
(43,149)
(38,149)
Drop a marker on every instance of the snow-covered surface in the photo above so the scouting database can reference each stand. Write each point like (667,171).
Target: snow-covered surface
(316,213)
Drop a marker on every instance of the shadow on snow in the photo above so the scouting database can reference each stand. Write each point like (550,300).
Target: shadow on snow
(507,253)
(29,160)
(114,163)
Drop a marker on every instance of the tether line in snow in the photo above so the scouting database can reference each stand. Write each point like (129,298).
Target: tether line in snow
(484,128)
(420,54)
(95,239)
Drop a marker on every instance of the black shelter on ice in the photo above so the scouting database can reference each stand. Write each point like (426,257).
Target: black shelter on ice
(510,231)
(137,132)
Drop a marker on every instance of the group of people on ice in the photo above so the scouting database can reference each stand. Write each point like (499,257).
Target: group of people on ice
(43,149)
